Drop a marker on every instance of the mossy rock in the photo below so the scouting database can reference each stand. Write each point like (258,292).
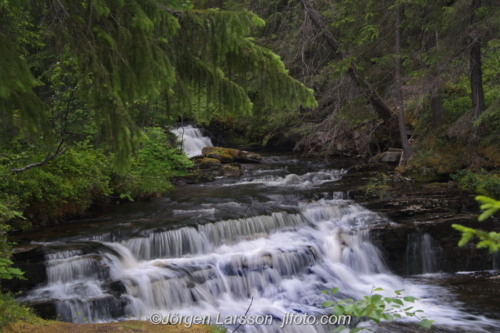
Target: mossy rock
(220,150)
(207,163)
(232,170)
(237,155)
(224,158)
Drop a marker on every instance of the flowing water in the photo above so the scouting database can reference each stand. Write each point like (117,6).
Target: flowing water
(267,243)
(192,139)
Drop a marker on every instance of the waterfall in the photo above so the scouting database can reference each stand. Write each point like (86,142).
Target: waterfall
(422,254)
(192,139)
(277,247)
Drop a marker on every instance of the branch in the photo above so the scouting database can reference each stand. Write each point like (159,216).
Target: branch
(244,315)
(47,159)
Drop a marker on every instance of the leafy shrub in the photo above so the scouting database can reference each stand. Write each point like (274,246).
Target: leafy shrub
(65,187)
(12,311)
(480,182)
(156,163)
(375,307)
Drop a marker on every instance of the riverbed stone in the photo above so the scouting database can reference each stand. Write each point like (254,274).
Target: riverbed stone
(237,155)
(231,170)
(208,163)
(387,157)
(222,157)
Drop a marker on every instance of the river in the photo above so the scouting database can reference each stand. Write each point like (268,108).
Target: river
(268,243)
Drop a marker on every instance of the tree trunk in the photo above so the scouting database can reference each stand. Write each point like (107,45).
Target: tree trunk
(476,75)
(381,109)
(436,99)
(437,108)
(407,151)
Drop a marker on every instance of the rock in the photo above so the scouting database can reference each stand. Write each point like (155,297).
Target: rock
(32,253)
(35,274)
(115,288)
(220,150)
(232,170)
(248,157)
(208,163)
(223,158)
(237,155)
(45,309)
(386,157)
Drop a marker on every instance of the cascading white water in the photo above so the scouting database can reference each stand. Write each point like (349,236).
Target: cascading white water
(422,254)
(282,260)
(193,140)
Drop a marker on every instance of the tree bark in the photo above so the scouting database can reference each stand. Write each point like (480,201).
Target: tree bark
(436,98)
(407,151)
(476,75)
(381,109)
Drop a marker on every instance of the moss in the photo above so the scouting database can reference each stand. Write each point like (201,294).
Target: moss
(207,163)
(490,152)
(220,150)
(224,158)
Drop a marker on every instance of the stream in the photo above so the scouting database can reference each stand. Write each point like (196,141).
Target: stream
(268,243)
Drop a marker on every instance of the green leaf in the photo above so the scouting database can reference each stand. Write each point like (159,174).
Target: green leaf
(388,317)
(376,299)
(426,323)
(398,301)
(327,304)
(335,290)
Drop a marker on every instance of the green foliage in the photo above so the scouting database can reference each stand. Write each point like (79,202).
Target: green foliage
(376,308)
(167,54)
(489,240)
(12,311)
(378,186)
(480,182)
(156,163)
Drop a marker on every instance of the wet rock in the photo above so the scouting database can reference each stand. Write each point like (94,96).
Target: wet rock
(223,158)
(28,253)
(115,288)
(208,163)
(45,309)
(237,155)
(373,168)
(391,156)
(232,170)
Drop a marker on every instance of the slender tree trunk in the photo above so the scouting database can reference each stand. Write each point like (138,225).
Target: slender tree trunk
(436,99)
(407,151)
(476,75)
(381,109)
(437,109)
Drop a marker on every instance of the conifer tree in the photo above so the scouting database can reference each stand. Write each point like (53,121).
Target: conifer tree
(126,50)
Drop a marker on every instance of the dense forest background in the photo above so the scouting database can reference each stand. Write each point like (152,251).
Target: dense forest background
(88,90)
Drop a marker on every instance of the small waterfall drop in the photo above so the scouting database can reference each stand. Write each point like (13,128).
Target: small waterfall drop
(422,254)
(193,140)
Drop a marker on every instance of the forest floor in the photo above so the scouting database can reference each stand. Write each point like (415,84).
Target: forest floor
(133,326)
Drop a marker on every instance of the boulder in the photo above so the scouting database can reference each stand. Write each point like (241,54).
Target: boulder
(223,158)
(208,163)
(231,170)
(248,157)
(220,150)
(386,157)
(224,155)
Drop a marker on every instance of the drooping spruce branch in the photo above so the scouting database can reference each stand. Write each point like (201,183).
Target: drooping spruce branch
(380,107)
